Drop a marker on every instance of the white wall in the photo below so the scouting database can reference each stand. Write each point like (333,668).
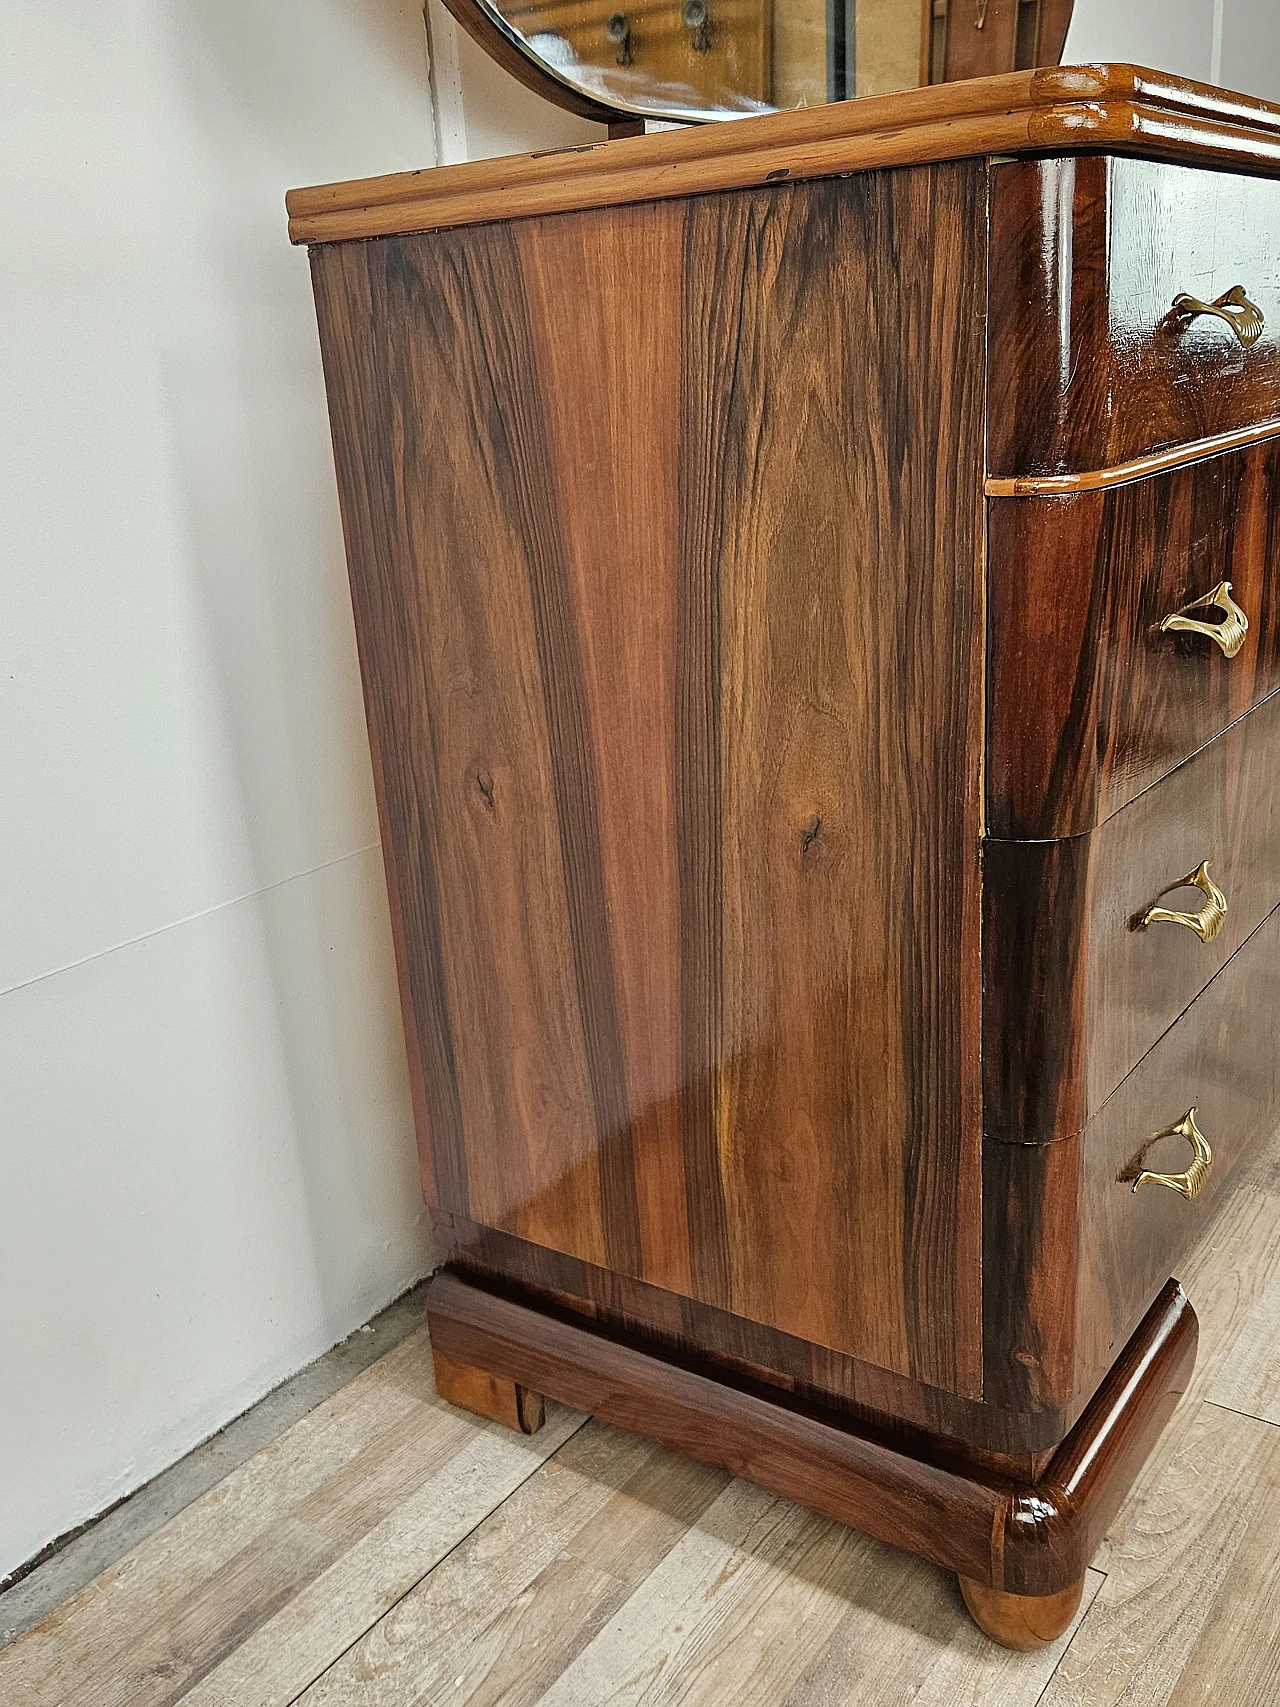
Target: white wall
(207,1172)
(206,1160)
(481,111)
(1232,42)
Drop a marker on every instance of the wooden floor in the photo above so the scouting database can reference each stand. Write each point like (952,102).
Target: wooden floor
(389,1550)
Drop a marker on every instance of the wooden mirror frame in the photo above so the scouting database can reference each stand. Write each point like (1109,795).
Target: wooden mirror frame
(988,48)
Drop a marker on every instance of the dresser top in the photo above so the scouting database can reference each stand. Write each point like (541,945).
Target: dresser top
(1120,109)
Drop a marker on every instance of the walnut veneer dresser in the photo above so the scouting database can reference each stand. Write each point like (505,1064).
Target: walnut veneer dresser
(817,582)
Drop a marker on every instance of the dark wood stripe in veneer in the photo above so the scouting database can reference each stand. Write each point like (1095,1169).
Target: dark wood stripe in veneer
(359,402)
(617,502)
(1035,900)
(449,652)
(528,488)
(1030,1194)
(711,328)
(846,858)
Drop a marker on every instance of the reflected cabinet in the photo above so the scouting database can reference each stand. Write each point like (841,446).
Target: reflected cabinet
(705,59)
(817,582)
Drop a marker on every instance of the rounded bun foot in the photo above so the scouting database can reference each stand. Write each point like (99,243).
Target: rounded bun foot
(1023,1621)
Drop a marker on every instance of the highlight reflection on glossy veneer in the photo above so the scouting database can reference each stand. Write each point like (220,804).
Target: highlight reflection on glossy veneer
(787,562)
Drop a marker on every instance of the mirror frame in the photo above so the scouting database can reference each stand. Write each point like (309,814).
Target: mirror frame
(503,43)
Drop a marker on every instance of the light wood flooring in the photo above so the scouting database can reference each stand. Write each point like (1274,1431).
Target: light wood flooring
(389,1550)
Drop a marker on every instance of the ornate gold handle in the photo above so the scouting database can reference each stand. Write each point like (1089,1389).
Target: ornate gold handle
(1191,1182)
(1207,922)
(1243,317)
(1229,633)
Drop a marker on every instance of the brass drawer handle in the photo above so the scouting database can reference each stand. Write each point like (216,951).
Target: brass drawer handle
(1208,920)
(1243,317)
(1229,633)
(1191,1182)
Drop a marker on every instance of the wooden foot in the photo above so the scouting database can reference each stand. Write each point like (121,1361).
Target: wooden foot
(1022,1621)
(487,1395)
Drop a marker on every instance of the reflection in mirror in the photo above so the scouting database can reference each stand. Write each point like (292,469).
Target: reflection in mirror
(702,59)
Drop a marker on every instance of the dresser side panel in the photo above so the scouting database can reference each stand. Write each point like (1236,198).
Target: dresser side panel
(664,533)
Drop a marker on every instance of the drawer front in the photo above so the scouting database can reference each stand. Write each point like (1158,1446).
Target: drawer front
(1091,366)
(1090,701)
(1220,1059)
(1077,988)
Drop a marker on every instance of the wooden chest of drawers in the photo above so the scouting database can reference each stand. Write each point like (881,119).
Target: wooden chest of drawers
(817,594)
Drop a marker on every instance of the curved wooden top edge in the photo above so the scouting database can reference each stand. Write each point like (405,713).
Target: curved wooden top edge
(1122,473)
(1121,108)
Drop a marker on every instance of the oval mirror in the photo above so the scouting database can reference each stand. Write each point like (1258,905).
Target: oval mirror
(696,60)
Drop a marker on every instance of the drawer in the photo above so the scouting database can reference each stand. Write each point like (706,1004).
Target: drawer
(1220,1059)
(1091,367)
(1076,989)
(1089,700)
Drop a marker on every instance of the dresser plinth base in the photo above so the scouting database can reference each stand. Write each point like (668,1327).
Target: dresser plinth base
(1008,1542)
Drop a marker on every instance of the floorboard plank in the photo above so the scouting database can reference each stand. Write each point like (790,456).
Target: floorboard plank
(1173,1555)
(74,1652)
(502,1617)
(1239,1259)
(908,1638)
(375,1566)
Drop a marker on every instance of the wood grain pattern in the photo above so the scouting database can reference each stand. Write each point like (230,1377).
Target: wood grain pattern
(1014,1440)
(1091,363)
(1119,107)
(1088,703)
(679,769)
(1027,1540)
(1076,991)
(487,1395)
(971,52)
(502,1616)
(1022,1621)
(1030,1209)
(1053,17)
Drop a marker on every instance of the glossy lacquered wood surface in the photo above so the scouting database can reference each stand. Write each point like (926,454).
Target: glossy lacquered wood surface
(1088,702)
(1090,361)
(1222,1059)
(1073,1255)
(1025,1539)
(1014,1438)
(671,665)
(1119,107)
(1022,1621)
(1077,989)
